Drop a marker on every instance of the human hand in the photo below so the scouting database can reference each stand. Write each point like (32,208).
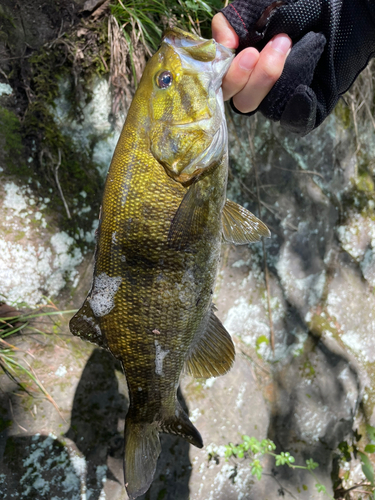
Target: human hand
(332,43)
(252,74)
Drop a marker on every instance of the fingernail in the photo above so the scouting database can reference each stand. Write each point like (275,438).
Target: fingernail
(247,61)
(281,43)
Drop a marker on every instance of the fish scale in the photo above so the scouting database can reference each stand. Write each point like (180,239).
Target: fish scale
(163,215)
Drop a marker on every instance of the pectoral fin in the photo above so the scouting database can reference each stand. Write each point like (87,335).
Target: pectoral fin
(189,221)
(240,226)
(214,354)
(86,326)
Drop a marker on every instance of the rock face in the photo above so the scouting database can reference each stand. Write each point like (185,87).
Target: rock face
(317,196)
(57,140)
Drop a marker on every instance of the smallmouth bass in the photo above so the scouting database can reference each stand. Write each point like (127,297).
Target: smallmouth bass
(163,217)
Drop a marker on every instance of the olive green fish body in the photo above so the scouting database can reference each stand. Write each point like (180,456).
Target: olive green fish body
(164,295)
(163,216)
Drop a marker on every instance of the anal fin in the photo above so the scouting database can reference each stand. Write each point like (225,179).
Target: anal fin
(240,226)
(180,425)
(213,354)
(86,326)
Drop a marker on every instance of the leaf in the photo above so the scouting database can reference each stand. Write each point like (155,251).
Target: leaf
(284,458)
(344,448)
(261,340)
(267,445)
(367,467)
(256,469)
(311,465)
(280,459)
(370,432)
(205,6)
(321,488)
(370,448)
(228,451)
(191,5)
(255,445)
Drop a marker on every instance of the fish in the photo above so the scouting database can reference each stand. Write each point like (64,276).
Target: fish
(163,218)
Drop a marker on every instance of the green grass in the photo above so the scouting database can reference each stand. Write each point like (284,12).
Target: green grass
(13,360)
(149,17)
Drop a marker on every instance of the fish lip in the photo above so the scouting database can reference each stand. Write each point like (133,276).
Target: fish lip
(220,65)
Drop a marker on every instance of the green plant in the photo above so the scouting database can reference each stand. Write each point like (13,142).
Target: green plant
(13,361)
(147,16)
(346,452)
(255,450)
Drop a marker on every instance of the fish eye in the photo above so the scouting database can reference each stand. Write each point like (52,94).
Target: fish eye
(164,79)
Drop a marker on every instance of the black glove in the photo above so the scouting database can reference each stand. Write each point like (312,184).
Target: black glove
(333,40)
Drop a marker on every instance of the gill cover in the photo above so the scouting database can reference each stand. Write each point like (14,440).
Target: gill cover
(188,129)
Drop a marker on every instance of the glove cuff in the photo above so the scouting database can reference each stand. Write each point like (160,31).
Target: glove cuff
(250,19)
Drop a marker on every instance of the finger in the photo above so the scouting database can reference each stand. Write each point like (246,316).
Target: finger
(223,32)
(239,72)
(265,74)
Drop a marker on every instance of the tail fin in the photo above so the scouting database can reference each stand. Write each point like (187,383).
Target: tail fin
(142,449)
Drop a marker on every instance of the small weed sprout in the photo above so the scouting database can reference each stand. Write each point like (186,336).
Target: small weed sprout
(255,450)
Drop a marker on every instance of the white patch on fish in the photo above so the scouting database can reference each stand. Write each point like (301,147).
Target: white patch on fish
(114,239)
(159,358)
(103,292)
(91,322)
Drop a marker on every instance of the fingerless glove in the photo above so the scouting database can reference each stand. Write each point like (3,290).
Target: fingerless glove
(333,41)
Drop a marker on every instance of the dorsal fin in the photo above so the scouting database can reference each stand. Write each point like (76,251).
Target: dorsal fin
(213,354)
(86,326)
(240,226)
